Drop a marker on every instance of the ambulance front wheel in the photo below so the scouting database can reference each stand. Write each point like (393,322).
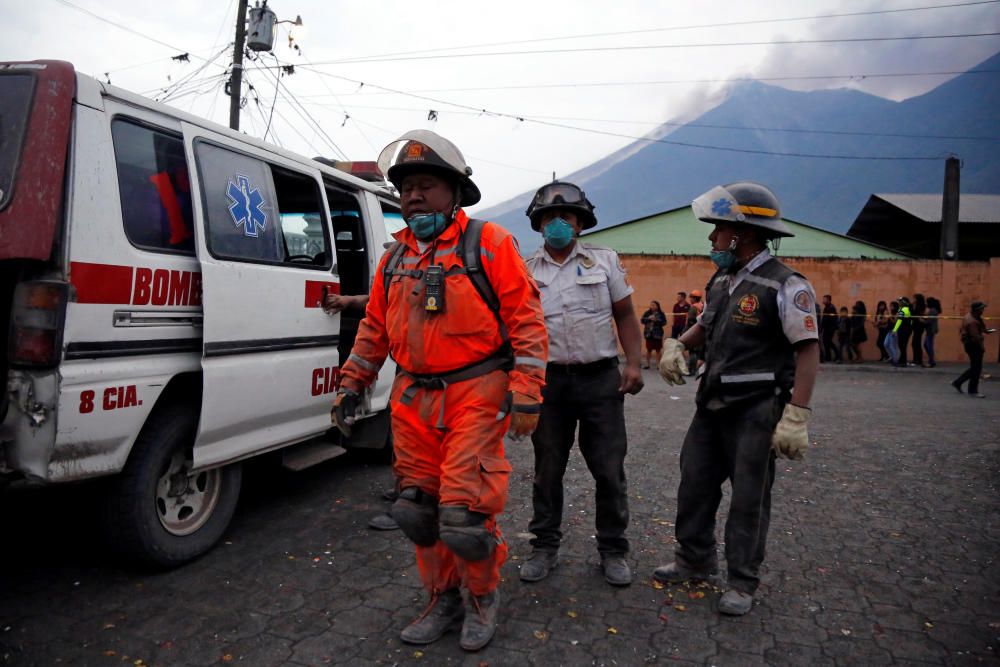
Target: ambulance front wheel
(160,513)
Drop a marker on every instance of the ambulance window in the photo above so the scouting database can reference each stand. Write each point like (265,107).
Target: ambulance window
(16,95)
(392,217)
(261,213)
(349,240)
(154,186)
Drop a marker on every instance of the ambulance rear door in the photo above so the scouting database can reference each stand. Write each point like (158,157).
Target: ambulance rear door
(266,252)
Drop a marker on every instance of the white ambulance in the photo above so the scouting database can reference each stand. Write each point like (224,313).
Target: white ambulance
(162,278)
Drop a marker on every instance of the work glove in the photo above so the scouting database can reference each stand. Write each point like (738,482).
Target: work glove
(791,439)
(673,366)
(524,412)
(345,407)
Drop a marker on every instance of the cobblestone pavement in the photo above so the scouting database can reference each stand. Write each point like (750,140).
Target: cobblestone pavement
(883,550)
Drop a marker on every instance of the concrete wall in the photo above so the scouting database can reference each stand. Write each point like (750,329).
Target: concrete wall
(955,284)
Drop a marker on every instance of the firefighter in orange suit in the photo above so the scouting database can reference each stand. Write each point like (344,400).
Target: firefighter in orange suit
(467,373)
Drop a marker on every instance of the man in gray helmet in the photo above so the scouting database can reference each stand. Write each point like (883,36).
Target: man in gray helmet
(761,354)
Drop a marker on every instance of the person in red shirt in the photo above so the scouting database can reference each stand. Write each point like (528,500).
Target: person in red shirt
(464,373)
(681,308)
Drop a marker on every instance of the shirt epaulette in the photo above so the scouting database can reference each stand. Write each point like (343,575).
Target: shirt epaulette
(592,246)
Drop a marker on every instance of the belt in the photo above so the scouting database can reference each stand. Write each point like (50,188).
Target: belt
(582,369)
(499,360)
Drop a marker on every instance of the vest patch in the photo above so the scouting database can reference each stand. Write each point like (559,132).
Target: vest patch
(749,304)
(746,309)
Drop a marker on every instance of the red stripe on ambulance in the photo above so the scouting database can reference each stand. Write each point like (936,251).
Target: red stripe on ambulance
(314,292)
(114,284)
(101,283)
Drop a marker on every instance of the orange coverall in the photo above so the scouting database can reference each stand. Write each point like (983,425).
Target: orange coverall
(448,441)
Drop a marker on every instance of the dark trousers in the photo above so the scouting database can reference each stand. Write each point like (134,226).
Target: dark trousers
(917,345)
(592,400)
(975,369)
(831,351)
(904,339)
(733,443)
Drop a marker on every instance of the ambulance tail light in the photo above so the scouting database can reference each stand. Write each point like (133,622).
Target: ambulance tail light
(38,315)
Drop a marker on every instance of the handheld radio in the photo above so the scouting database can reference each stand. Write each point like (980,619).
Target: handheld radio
(434,288)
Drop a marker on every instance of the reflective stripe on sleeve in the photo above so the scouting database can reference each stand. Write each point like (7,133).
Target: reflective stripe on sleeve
(529,361)
(364,363)
(746,377)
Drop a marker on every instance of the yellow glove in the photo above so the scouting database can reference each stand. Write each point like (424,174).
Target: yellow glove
(673,366)
(791,439)
(524,412)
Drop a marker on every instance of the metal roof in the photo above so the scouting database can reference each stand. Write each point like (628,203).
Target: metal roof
(679,232)
(971,208)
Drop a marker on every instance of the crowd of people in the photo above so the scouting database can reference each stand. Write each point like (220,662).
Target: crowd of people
(903,329)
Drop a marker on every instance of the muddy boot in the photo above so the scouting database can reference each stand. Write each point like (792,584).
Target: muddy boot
(538,565)
(675,573)
(480,620)
(735,603)
(383,522)
(443,614)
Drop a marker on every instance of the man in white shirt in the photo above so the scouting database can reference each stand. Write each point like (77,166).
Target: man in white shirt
(761,355)
(584,290)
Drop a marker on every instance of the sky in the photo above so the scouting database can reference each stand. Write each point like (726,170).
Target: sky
(527,90)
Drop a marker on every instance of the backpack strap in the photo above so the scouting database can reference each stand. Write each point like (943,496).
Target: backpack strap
(470,250)
(395,251)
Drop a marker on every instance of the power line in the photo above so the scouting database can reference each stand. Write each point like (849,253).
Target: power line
(169,90)
(538,121)
(653,47)
(346,115)
(598,84)
(67,3)
(300,110)
(392,133)
(626,121)
(670,29)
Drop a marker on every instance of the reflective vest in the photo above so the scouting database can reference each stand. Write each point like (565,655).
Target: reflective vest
(746,352)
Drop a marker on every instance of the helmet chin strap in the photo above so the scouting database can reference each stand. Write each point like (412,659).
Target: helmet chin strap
(458,202)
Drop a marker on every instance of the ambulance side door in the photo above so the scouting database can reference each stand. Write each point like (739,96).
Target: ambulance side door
(263,239)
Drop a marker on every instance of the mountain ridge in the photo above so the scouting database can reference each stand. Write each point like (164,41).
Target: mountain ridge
(647,177)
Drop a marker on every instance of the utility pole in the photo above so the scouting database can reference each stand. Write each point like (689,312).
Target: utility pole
(949,210)
(236,81)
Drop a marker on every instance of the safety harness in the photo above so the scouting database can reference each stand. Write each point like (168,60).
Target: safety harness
(470,250)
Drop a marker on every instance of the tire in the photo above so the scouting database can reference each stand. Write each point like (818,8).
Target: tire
(157,513)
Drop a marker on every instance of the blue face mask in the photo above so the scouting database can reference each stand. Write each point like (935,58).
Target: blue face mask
(426,226)
(724,259)
(558,233)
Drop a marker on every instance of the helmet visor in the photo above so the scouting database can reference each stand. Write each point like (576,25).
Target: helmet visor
(719,204)
(423,146)
(559,193)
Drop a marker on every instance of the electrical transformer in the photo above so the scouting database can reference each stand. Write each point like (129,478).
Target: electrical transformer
(260,33)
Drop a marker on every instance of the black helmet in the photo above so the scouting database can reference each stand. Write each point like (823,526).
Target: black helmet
(561,195)
(743,202)
(426,151)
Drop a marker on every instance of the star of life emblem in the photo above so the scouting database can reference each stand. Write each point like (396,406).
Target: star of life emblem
(247,206)
(722,207)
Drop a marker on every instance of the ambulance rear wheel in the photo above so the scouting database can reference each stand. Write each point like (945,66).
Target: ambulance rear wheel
(159,512)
